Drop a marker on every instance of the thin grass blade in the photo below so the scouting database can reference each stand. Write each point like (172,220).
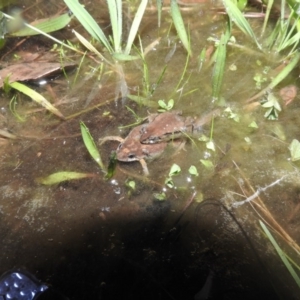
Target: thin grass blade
(281,254)
(159,4)
(267,15)
(87,21)
(89,46)
(219,67)
(238,18)
(286,71)
(38,98)
(46,25)
(146,78)
(91,146)
(59,177)
(46,35)
(115,13)
(135,25)
(287,40)
(179,25)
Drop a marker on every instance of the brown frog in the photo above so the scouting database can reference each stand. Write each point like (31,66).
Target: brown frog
(162,128)
(131,149)
(149,140)
(165,127)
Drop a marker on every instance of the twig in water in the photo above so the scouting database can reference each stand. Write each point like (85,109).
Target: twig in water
(256,194)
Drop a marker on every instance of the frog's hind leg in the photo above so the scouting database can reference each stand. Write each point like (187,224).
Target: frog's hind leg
(111,138)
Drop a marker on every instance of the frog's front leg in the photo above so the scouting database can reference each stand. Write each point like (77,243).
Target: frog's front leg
(144,166)
(121,140)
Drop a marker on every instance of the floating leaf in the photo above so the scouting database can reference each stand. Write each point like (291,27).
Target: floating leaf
(160,196)
(210,145)
(90,145)
(165,107)
(169,182)
(272,101)
(294,148)
(207,163)
(193,171)
(175,170)
(203,138)
(62,176)
(131,184)
(253,124)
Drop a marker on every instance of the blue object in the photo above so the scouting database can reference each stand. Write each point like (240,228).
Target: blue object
(20,285)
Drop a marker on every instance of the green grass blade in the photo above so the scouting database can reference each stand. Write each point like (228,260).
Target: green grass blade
(89,46)
(281,253)
(146,77)
(115,13)
(135,25)
(286,71)
(120,22)
(283,74)
(159,10)
(238,18)
(91,146)
(46,35)
(219,67)
(158,81)
(289,37)
(267,15)
(59,177)
(45,25)
(38,98)
(179,25)
(87,21)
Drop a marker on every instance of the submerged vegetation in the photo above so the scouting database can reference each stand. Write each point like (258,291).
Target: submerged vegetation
(118,49)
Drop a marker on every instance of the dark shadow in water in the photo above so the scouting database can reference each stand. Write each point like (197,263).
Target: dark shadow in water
(150,258)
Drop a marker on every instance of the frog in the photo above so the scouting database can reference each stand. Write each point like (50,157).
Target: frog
(149,140)
(169,126)
(131,148)
(165,127)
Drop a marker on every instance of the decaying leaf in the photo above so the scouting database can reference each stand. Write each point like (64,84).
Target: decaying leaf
(32,71)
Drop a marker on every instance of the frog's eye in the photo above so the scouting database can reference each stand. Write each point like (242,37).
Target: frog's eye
(131,156)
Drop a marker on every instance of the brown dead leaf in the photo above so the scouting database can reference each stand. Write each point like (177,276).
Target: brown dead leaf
(31,71)
(288,94)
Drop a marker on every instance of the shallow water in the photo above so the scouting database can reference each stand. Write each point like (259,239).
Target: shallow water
(95,238)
